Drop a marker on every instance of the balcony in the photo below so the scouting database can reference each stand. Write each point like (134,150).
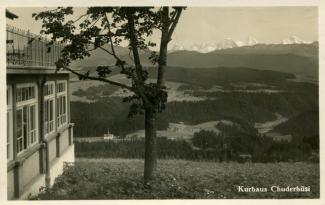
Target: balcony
(25,49)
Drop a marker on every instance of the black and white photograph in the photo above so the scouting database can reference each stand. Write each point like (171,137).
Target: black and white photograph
(162,102)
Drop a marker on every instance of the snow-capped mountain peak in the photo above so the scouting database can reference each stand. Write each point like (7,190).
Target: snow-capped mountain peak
(251,41)
(230,43)
(226,43)
(294,40)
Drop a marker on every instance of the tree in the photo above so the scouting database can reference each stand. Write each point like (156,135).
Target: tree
(105,28)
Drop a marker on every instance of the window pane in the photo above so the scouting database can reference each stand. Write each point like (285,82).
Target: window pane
(25,113)
(32,121)
(26,94)
(22,94)
(57,106)
(19,128)
(20,144)
(50,89)
(45,111)
(33,92)
(32,117)
(64,105)
(51,110)
(30,95)
(18,95)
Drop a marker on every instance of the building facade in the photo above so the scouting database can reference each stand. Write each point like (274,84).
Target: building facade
(39,132)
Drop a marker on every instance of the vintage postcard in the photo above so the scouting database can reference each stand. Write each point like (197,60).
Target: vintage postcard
(161,102)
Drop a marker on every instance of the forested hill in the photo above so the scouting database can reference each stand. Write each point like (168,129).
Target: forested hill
(308,119)
(207,77)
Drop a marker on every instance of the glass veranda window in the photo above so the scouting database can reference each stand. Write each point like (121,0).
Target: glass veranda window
(26,117)
(61,110)
(61,102)
(49,107)
(49,115)
(26,127)
(9,124)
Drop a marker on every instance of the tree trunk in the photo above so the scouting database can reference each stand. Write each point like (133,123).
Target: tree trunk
(163,47)
(162,63)
(150,160)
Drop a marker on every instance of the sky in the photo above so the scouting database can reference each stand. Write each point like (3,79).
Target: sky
(212,24)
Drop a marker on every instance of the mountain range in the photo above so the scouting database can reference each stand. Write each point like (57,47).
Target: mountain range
(296,58)
(230,43)
(208,47)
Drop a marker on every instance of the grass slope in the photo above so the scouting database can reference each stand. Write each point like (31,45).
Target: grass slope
(179,179)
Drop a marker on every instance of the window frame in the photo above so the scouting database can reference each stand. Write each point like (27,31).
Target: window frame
(9,140)
(62,95)
(25,85)
(31,133)
(49,98)
(64,91)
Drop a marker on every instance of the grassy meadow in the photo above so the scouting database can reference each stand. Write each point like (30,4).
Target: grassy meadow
(180,179)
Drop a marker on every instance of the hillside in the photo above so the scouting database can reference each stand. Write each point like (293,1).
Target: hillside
(179,179)
(207,77)
(278,62)
(226,93)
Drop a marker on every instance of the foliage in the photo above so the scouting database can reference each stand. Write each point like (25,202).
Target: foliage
(100,27)
(111,26)
(303,124)
(207,139)
(222,147)
(178,179)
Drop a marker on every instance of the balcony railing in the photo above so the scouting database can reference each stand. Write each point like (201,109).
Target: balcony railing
(27,49)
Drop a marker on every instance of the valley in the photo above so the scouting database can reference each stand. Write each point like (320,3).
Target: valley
(257,109)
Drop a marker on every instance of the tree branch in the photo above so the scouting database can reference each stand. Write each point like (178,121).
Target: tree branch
(174,23)
(99,79)
(80,17)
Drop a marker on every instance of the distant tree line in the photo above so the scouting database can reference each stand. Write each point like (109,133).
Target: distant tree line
(229,145)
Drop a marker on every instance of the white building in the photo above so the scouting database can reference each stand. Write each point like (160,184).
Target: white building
(39,132)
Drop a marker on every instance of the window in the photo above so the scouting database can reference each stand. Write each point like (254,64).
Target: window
(49,107)
(61,86)
(49,89)
(26,117)
(9,124)
(26,127)
(61,103)
(25,93)
(61,110)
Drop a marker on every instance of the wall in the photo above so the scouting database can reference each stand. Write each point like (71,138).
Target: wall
(10,184)
(30,169)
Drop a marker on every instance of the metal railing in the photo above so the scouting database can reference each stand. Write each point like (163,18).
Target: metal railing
(26,49)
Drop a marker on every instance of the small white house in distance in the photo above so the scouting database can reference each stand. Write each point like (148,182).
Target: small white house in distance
(108,136)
